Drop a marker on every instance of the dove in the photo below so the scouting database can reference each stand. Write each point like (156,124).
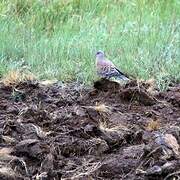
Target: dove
(106,69)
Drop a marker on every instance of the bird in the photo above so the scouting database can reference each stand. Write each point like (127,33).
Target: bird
(106,69)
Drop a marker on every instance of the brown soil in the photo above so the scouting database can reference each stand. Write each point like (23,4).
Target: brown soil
(74,132)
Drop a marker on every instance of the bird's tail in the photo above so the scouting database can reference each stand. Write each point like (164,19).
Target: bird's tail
(123,77)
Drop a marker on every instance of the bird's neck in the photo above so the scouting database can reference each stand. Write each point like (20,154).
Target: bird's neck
(99,59)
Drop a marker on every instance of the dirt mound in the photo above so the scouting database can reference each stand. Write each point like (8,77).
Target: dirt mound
(73,132)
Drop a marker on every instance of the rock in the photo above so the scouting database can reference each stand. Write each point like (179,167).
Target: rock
(155,170)
(172,143)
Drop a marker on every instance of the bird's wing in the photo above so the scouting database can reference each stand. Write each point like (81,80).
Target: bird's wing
(115,70)
(106,68)
(121,73)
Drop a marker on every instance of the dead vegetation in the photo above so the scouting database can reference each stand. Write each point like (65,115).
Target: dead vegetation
(56,131)
(13,78)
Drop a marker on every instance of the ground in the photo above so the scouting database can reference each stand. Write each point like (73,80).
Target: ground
(69,131)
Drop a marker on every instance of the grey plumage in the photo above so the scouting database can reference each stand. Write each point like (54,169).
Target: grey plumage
(106,69)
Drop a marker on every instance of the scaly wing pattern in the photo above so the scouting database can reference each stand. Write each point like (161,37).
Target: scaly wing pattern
(107,69)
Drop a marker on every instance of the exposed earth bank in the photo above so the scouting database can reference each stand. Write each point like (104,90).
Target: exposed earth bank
(74,132)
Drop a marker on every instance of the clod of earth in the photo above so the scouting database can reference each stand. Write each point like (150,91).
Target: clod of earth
(109,131)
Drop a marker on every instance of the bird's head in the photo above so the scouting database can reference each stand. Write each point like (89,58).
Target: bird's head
(100,55)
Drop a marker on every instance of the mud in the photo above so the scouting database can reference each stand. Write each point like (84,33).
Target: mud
(109,131)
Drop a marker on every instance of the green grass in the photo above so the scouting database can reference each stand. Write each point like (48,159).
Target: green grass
(59,38)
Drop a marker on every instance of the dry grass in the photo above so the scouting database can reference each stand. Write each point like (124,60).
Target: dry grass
(15,77)
(152,86)
(48,82)
(151,82)
(102,108)
(40,132)
(112,128)
(84,171)
(153,125)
